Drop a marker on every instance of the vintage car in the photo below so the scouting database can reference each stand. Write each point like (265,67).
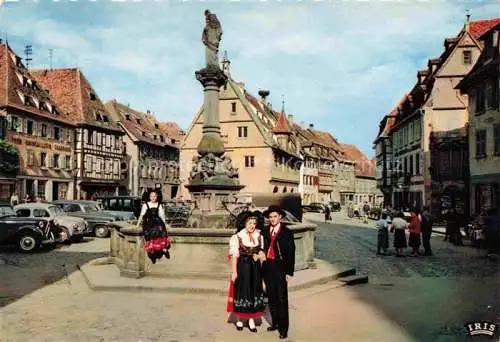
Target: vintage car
(27,233)
(335,206)
(124,205)
(75,227)
(97,219)
(96,207)
(314,207)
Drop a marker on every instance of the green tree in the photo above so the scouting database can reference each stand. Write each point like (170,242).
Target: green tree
(9,159)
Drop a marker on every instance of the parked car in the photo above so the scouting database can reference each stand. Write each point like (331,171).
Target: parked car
(314,207)
(89,210)
(122,204)
(75,227)
(27,233)
(335,206)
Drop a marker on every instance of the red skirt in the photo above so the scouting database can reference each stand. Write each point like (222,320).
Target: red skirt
(157,244)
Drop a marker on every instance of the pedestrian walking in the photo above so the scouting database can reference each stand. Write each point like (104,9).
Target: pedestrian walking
(492,232)
(382,234)
(278,268)
(415,230)
(328,216)
(426,225)
(154,226)
(399,226)
(246,296)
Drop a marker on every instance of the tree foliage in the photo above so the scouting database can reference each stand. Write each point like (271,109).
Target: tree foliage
(9,159)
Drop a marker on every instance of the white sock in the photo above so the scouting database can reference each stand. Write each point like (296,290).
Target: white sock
(251,323)
(239,324)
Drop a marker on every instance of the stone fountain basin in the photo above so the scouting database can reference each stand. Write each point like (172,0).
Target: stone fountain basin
(195,252)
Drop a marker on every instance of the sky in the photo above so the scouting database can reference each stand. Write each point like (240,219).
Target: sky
(340,65)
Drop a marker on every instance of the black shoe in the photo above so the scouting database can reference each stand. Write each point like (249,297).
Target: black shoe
(238,328)
(283,336)
(167,254)
(254,330)
(272,328)
(153,259)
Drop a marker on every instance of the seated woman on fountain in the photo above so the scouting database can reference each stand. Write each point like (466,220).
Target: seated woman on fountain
(154,226)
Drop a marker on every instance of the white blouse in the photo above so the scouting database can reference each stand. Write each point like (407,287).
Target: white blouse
(234,243)
(161,212)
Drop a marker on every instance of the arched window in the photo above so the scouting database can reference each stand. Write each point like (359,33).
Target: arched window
(275,190)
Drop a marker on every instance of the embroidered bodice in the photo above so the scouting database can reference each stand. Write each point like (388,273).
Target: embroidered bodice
(243,243)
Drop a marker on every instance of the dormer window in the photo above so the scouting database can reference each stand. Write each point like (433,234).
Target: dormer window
(92,96)
(467,57)
(98,117)
(29,83)
(138,121)
(21,96)
(36,102)
(157,126)
(155,137)
(48,106)
(127,117)
(105,118)
(162,139)
(143,134)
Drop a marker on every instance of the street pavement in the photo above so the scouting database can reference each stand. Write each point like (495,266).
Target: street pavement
(43,297)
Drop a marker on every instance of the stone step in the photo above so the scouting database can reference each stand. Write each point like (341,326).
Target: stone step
(354,279)
(106,277)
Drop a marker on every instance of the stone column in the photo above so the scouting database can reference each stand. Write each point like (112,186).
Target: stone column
(212,78)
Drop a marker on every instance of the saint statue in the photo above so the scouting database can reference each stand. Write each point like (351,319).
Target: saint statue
(211,37)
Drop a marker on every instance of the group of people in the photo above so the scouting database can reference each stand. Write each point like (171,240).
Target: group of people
(420,229)
(262,263)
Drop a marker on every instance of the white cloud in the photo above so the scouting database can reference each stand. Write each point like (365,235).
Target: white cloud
(340,65)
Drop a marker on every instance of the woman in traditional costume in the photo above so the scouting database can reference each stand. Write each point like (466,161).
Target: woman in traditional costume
(154,226)
(246,297)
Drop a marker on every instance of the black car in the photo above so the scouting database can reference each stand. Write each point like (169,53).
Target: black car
(335,206)
(314,207)
(122,203)
(27,233)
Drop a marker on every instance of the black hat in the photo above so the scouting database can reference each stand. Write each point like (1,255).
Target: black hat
(274,209)
(242,219)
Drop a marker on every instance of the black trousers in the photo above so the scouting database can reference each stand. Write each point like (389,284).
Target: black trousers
(426,240)
(277,293)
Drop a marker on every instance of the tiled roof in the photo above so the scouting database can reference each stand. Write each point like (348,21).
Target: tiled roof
(173,130)
(282,126)
(19,89)
(479,27)
(74,95)
(364,166)
(141,126)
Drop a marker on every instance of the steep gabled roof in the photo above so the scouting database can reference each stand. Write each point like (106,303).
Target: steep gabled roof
(282,126)
(173,130)
(75,96)
(138,125)
(364,166)
(19,89)
(479,27)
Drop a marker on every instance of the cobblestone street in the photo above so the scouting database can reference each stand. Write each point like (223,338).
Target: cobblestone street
(44,298)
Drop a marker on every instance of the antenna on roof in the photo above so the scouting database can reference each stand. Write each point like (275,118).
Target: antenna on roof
(51,54)
(467,15)
(28,51)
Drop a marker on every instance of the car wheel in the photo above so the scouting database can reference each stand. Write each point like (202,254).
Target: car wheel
(101,231)
(28,242)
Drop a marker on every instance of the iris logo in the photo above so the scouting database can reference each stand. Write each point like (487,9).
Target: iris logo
(481,328)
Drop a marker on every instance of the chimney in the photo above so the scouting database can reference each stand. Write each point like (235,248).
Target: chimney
(290,118)
(311,126)
(148,112)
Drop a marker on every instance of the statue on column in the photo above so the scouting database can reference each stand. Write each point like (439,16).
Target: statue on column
(211,38)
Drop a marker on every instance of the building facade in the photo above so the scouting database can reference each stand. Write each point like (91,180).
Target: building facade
(39,129)
(152,155)
(99,148)
(482,85)
(429,129)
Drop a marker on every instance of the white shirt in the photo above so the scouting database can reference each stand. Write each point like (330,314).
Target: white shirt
(161,212)
(276,229)
(234,242)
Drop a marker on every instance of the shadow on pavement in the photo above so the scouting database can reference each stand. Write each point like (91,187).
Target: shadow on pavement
(431,298)
(22,274)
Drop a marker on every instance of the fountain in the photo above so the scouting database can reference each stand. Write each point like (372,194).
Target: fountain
(199,250)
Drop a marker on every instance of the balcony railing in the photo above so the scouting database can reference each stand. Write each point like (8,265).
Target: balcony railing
(287,175)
